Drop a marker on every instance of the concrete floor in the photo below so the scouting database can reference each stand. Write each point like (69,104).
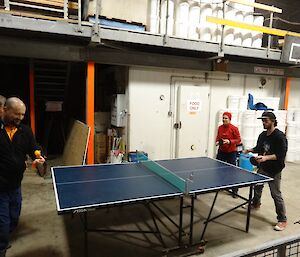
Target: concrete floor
(43,233)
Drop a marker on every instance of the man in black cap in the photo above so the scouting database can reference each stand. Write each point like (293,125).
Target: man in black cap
(271,147)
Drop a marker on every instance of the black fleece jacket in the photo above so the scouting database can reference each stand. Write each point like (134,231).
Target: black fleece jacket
(275,143)
(13,156)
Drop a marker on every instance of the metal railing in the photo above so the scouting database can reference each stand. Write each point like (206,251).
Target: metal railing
(284,247)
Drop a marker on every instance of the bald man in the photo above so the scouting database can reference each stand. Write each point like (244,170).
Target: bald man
(16,142)
(2,102)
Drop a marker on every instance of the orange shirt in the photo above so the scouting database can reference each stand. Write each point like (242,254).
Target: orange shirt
(11,131)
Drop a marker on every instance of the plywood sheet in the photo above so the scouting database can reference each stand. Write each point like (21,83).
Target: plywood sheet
(76,145)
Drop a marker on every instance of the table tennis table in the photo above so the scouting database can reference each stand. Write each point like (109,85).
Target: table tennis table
(80,189)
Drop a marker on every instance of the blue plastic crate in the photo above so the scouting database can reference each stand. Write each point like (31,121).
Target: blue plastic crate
(244,162)
(118,24)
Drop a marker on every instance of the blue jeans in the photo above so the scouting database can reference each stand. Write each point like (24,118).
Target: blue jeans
(10,209)
(229,158)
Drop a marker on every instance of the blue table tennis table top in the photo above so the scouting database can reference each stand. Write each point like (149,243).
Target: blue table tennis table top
(92,186)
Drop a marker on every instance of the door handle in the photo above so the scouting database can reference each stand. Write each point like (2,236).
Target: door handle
(177,125)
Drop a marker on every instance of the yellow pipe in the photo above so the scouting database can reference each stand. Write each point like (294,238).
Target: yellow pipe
(258,6)
(242,25)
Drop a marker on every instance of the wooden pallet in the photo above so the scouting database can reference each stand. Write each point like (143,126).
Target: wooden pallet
(38,16)
(42,8)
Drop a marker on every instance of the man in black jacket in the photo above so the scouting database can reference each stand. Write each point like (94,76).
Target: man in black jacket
(16,141)
(271,148)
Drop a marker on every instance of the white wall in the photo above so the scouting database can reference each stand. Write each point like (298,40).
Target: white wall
(150,127)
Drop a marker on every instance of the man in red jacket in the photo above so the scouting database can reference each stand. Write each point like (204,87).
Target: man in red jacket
(227,138)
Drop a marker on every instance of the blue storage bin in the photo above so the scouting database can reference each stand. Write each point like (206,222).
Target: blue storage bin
(244,162)
(135,157)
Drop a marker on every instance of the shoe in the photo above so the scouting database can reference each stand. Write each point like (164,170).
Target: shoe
(255,206)
(234,196)
(280,226)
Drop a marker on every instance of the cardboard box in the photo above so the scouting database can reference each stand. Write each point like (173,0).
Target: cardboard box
(100,147)
(102,121)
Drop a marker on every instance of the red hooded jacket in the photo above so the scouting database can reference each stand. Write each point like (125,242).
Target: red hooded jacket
(230,132)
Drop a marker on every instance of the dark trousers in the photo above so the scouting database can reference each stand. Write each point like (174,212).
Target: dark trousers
(229,158)
(10,209)
(274,186)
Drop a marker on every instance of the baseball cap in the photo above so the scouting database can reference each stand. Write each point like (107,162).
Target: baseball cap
(269,115)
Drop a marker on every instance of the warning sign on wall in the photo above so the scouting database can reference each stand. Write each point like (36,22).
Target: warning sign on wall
(194,105)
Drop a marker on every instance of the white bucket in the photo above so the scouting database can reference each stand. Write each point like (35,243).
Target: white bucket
(247,39)
(297,129)
(194,21)
(205,29)
(205,33)
(181,29)
(154,16)
(216,35)
(164,8)
(257,36)
(182,13)
(114,158)
(258,20)
(297,115)
(281,127)
(281,116)
(248,9)
(290,156)
(238,38)
(258,130)
(297,159)
(235,116)
(170,26)
(248,131)
(239,16)
(291,129)
(290,116)
(233,102)
(154,24)
(216,31)
(248,18)
(243,102)
(154,8)
(228,35)
(257,41)
(248,117)
(170,18)
(258,114)
(297,143)
(292,142)
(273,102)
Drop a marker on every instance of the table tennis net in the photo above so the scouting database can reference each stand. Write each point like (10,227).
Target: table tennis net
(166,174)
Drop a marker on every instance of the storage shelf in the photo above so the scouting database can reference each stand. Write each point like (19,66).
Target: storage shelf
(8,21)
